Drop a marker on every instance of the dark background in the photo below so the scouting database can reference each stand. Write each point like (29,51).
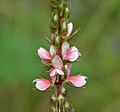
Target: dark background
(23,26)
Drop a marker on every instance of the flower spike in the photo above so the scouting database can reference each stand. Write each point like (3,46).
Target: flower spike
(60,57)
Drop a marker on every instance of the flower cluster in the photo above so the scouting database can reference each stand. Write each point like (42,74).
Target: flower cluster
(59,60)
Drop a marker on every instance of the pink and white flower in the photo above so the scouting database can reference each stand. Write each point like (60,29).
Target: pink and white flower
(78,80)
(69,53)
(45,55)
(57,66)
(42,84)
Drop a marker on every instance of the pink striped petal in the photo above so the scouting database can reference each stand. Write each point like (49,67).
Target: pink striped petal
(77,81)
(44,54)
(42,84)
(72,54)
(57,62)
(52,50)
(65,47)
(70,28)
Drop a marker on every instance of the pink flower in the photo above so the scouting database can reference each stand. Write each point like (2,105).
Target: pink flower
(57,66)
(78,80)
(69,53)
(45,55)
(69,29)
(42,84)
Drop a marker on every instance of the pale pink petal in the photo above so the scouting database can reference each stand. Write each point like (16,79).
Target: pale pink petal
(70,28)
(44,54)
(57,62)
(65,47)
(59,71)
(53,72)
(56,71)
(52,50)
(45,62)
(77,81)
(72,54)
(42,84)
(68,67)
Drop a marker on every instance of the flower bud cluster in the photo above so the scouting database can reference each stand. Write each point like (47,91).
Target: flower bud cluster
(59,18)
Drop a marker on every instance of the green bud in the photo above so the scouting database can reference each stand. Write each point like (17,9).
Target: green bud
(67,13)
(64,28)
(57,41)
(61,8)
(55,18)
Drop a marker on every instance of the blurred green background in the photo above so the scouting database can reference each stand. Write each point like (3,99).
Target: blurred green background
(23,26)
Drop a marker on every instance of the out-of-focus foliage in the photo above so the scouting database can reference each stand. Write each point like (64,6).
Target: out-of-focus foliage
(23,26)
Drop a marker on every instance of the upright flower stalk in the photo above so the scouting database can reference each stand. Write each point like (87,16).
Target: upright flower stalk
(59,58)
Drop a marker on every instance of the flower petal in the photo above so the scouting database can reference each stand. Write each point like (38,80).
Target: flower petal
(53,72)
(57,62)
(65,47)
(70,28)
(72,54)
(44,54)
(42,84)
(68,67)
(60,72)
(77,81)
(52,50)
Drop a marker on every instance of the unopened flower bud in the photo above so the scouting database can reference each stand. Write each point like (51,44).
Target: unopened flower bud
(64,28)
(55,18)
(57,40)
(61,8)
(67,13)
